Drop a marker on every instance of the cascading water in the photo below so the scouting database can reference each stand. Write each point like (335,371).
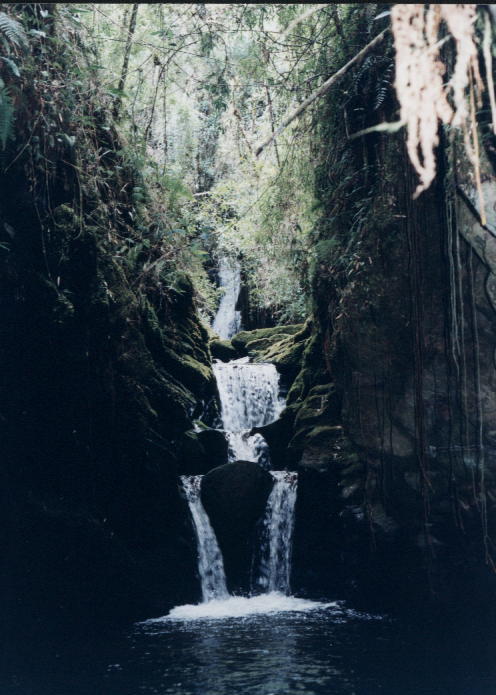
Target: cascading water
(277,534)
(249,397)
(275,565)
(210,563)
(227,321)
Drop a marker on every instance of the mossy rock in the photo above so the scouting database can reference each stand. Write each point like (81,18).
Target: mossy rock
(258,346)
(199,376)
(241,339)
(181,351)
(300,386)
(285,355)
(223,350)
(324,433)
(321,406)
(312,371)
(316,447)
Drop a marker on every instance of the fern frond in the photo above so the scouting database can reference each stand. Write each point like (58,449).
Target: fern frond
(10,63)
(382,87)
(6,116)
(13,30)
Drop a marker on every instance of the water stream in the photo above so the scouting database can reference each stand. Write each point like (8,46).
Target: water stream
(249,397)
(227,321)
(210,563)
(275,565)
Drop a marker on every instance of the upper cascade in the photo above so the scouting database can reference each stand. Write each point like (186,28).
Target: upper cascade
(227,321)
(249,396)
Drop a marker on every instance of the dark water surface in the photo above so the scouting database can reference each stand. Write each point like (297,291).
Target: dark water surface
(327,651)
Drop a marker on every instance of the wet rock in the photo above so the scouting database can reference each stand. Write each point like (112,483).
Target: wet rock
(192,455)
(223,350)
(200,452)
(277,434)
(235,496)
(240,340)
(215,446)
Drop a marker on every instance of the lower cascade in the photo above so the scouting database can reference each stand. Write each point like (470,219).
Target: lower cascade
(275,565)
(210,563)
(273,575)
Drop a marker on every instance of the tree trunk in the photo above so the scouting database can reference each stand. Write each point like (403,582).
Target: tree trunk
(125,62)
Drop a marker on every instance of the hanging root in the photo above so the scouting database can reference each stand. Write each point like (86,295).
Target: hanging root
(426,100)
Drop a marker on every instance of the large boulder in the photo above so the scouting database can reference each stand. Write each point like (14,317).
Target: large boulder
(215,446)
(199,452)
(242,340)
(223,350)
(235,497)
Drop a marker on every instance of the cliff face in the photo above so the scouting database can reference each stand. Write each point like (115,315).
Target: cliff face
(99,384)
(393,410)
(103,366)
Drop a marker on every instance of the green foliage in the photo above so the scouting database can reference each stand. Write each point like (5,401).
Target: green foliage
(6,115)
(204,85)
(12,37)
(12,31)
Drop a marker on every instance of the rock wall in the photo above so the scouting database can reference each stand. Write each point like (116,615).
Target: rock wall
(99,385)
(390,419)
(104,365)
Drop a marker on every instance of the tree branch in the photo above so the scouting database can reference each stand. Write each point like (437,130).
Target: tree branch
(323,89)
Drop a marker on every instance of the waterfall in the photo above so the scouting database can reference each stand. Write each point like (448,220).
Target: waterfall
(210,563)
(227,321)
(277,534)
(249,397)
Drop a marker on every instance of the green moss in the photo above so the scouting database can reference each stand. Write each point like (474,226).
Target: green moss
(300,386)
(255,347)
(324,433)
(285,354)
(181,348)
(322,405)
(241,339)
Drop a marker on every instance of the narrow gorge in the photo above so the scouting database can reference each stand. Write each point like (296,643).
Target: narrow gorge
(247,346)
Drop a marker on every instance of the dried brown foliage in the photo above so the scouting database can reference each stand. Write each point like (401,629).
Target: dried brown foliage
(426,97)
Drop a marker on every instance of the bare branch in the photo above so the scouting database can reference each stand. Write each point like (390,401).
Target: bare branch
(323,89)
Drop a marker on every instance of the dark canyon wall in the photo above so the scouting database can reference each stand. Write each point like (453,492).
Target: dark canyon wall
(393,409)
(104,364)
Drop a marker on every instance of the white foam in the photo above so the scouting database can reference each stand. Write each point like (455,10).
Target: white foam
(249,397)
(242,606)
